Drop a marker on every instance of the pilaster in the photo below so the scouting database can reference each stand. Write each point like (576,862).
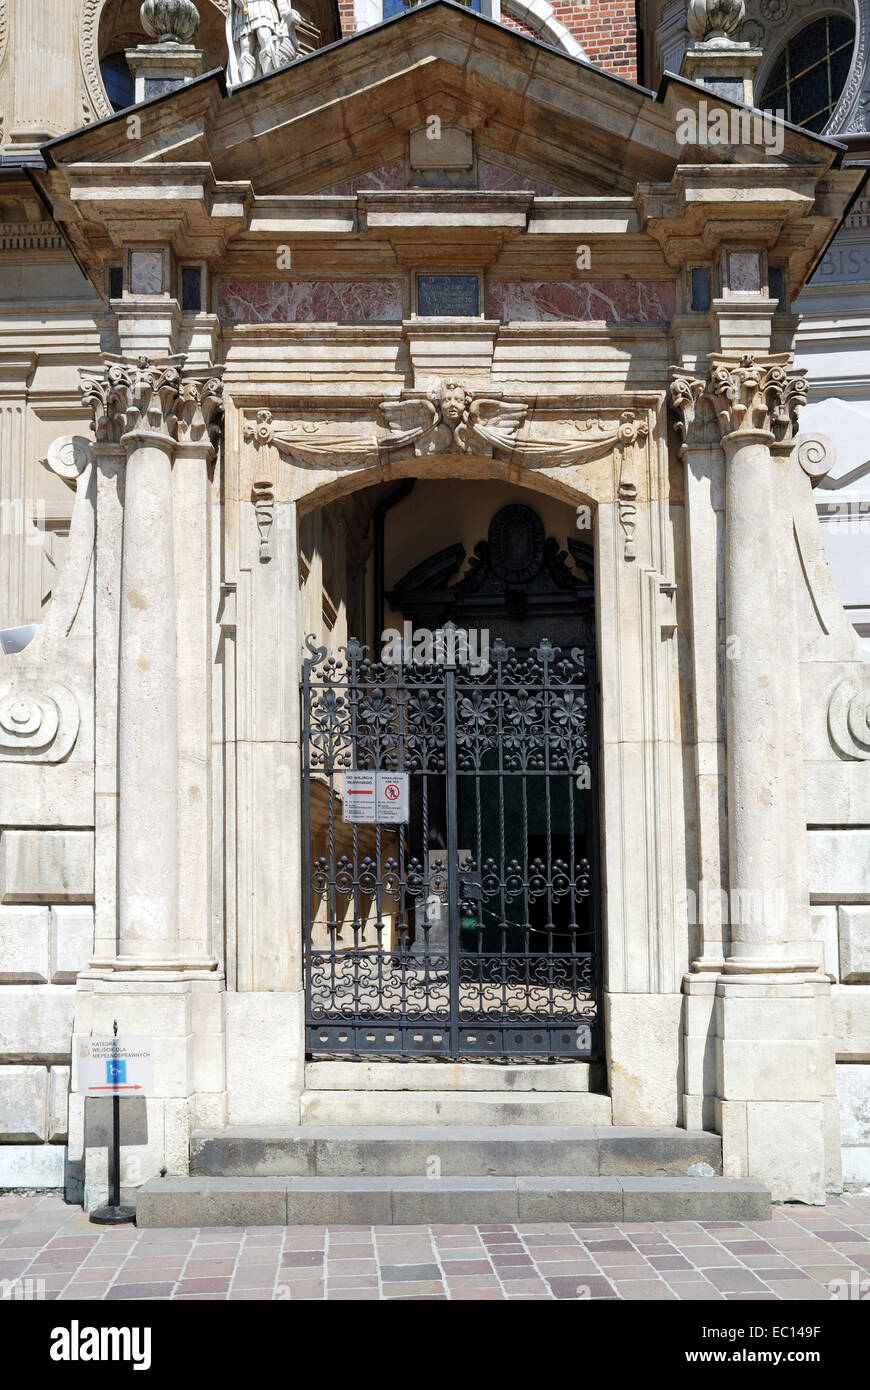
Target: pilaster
(154,969)
(756,1036)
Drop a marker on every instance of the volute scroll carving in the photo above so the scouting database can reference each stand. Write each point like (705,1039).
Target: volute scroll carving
(849,717)
(141,395)
(757,395)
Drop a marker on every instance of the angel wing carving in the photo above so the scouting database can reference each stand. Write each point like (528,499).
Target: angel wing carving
(409,423)
(492,422)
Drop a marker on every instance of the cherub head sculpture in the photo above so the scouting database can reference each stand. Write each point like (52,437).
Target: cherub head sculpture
(453,400)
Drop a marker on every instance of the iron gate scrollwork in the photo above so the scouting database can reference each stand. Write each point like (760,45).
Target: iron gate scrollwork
(472,929)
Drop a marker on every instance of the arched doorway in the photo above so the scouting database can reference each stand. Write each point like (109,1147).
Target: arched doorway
(450,876)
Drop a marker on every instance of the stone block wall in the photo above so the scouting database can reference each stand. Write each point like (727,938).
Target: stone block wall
(46,938)
(840,893)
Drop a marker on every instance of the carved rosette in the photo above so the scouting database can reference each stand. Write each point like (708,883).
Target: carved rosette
(755,396)
(39,720)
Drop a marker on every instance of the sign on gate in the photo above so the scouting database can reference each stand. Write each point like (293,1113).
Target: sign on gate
(392,799)
(359,797)
(376,796)
(114,1067)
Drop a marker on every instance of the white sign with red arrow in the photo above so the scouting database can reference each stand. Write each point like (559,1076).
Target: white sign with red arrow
(114,1067)
(359,797)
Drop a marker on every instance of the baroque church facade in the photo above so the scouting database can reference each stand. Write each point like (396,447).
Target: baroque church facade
(434,686)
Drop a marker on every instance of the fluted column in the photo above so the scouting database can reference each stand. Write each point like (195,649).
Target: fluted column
(758,1050)
(756,402)
(142,396)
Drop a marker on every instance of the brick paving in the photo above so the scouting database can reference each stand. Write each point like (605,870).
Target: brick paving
(53,1251)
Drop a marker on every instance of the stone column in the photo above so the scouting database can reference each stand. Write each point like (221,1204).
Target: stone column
(152,970)
(755,402)
(197,414)
(146,393)
(772,1042)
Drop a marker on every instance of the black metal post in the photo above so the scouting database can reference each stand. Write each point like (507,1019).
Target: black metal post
(114,1214)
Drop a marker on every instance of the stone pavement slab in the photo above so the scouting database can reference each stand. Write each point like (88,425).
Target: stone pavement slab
(49,1250)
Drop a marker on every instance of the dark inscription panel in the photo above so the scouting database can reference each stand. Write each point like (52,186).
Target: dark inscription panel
(457,296)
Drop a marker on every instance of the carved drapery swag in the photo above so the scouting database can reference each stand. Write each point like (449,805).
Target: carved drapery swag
(448,419)
(451,418)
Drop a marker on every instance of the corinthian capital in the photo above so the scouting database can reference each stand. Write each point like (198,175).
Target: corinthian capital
(132,397)
(757,395)
(198,411)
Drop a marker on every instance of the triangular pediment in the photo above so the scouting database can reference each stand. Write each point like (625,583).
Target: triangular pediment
(343,112)
(205,164)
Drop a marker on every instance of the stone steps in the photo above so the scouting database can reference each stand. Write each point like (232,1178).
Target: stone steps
(465,1151)
(454,1076)
(449,1107)
(415,1174)
(405,1201)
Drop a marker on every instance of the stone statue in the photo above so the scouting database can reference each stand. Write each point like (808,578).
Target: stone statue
(261,36)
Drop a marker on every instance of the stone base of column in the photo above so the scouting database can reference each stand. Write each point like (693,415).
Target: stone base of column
(183,1013)
(776,1106)
(758,1054)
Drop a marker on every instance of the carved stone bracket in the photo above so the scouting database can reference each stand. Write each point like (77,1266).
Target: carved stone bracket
(631,432)
(263,498)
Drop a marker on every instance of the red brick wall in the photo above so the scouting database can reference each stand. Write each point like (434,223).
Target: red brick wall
(346,19)
(606,30)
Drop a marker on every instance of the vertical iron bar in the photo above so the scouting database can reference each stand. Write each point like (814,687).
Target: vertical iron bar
(452,855)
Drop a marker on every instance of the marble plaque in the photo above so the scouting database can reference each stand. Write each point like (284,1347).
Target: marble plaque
(146,272)
(454,296)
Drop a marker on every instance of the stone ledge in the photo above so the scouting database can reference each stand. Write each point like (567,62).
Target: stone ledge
(179,1202)
(549,1151)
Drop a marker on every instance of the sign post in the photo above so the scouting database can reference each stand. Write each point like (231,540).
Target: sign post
(114,1067)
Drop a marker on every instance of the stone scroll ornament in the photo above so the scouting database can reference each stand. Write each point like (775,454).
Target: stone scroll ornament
(849,717)
(261,37)
(39,717)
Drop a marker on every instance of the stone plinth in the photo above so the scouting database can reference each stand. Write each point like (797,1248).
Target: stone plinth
(159,68)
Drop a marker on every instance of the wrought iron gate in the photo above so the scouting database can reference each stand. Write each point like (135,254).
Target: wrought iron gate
(471,929)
